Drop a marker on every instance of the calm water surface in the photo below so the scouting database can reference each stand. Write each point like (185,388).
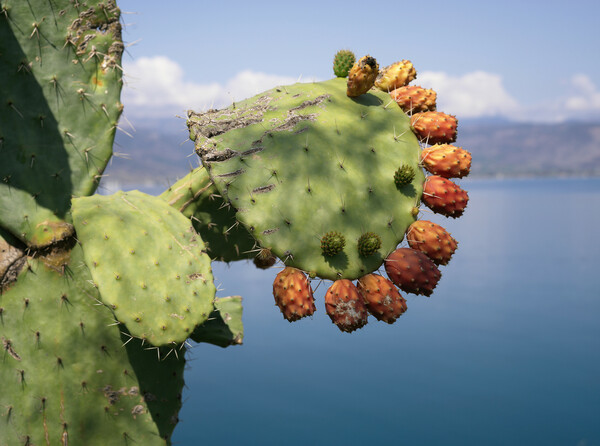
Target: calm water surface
(505,352)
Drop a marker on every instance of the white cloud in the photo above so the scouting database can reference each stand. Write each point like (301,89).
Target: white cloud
(156,86)
(471,95)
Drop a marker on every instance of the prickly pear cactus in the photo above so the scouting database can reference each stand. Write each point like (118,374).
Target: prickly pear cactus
(329,177)
(61,81)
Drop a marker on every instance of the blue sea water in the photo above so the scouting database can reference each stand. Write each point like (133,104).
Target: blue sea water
(505,352)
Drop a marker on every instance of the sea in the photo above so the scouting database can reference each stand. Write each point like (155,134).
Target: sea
(506,351)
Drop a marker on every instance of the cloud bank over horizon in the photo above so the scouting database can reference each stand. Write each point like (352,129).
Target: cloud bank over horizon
(157,87)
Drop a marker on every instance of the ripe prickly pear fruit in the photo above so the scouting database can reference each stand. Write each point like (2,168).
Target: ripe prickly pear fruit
(434,127)
(414,99)
(362,76)
(404,175)
(368,244)
(432,240)
(293,294)
(412,271)
(343,62)
(332,243)
(345,306)
(444,196)
(396,75)
(382,298)
(446,161)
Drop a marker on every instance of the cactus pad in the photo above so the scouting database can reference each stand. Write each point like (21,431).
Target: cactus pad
(224,326)
(299,161)
(66,377)
(61,81)
(148,263)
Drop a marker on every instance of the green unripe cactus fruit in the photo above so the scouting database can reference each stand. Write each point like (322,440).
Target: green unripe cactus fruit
(342,62)
(368,244)
(404,175)
(332,243)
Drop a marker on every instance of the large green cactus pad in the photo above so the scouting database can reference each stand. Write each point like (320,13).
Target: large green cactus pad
(59,105)
(66,376)
(196,197)
(149,264)
(301,161)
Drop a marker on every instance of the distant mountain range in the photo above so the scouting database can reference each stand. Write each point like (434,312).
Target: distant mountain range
(159,152)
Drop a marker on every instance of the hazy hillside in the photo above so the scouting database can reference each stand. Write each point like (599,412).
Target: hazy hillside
(160,152)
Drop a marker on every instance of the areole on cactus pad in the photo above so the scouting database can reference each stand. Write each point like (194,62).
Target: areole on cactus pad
(329,176)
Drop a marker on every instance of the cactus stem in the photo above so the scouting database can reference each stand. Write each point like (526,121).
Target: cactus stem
(12,105)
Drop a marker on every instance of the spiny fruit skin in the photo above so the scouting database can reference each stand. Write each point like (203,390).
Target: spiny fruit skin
(362,76)
(396,75)
(293,294)
(345,306)
(404,175)
(434,127)
(412,271)
(343,62)
(414,99)
(444,196)
(368,244)
(446,161)
(264,259)
(382,298)
(332,243)
(432,240)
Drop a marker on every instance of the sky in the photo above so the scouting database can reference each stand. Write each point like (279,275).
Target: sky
(529,61)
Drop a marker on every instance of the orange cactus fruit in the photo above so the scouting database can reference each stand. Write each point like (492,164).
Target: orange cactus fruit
(434,127)
(345,306)
(446,161)
(382,298)
(414,99)
(362,76)
(412,271)
(396,75)
(432,240)
(293,294)
(444,197)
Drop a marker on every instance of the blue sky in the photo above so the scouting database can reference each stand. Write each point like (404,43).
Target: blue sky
(528,61)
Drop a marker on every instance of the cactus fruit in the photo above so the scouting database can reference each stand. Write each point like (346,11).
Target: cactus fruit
(345,306)
(414,99)
(149,264)
(332,243)
(362,76)
(404,175)
(368,244)
(343,62)
(412,271)
(395,76)
(434,127)
(381,297)
(61,80)
(446,161)
(433,240)
(444,196)
(293,294)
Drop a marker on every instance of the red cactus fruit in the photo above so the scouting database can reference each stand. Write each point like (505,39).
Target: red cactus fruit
(345,306)
(434,127)
(444,197)
(412,271)
(396,75)
(362,76)
(293,294)
(432,240)
(414,99)
(446,161)
(382,298)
